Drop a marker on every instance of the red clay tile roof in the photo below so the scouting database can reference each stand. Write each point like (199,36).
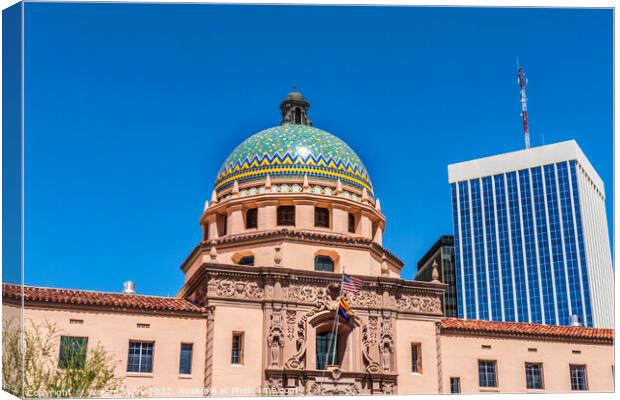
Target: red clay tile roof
(103,299)
(527,329)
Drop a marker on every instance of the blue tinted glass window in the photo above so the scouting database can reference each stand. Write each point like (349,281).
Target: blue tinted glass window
(468,269)
(478,238)
(185,362)
(517,249)
(582,253)
(491,250)
(457,253)
(544,258)
(570,242)
(529,240)
(502,227)
(556,245)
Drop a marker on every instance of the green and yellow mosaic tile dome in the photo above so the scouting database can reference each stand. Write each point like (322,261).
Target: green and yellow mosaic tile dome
(292,150)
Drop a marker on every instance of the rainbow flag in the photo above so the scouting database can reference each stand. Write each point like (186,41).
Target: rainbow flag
(344,310)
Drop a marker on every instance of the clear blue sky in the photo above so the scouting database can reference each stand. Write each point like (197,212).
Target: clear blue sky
(131,109)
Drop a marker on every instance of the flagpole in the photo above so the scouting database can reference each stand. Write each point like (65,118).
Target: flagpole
(334,331)
(337,320)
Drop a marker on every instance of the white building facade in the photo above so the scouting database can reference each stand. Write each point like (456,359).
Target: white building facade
(531,238)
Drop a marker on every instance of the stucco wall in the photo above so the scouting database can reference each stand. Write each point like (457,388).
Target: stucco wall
(423,332)
(114,330)
(460,355)
(237,380)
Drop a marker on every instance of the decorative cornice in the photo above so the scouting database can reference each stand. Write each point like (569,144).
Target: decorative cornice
(236,283)
(294,235)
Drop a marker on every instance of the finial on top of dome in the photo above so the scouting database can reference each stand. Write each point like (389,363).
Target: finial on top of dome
(294,109)
(214,197)
(306,185)
(268,184)
(338,187)
(378,204)
(206,205)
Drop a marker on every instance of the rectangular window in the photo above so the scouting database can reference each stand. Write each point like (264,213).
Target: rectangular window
(140,357)
(237,348)
(185,364)
(416,357)
(72,352)
(578,377)
(286,215)
(487,373)
(351,223)
(251,218)
(321,217)
(534,376)
(455,385)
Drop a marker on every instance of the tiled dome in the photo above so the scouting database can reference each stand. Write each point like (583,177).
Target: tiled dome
(293,150)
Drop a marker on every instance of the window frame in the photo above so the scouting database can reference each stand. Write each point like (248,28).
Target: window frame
(416,361)
(457,379)
(542,375)
(237,357)
(141,356)
(333,352)
(287,219)
(246,262)
(323,256)
(62,361)
(253,217)
(191,358)
(480,380)
(351,220)
(321,217)
(571,367)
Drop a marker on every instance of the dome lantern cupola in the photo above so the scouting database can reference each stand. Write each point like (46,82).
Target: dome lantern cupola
(295,109)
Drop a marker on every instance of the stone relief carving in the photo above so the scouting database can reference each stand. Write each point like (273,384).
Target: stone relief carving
(275,340)
(387,343)
(312,294)
(418,303)
(291,316)
(388,388)
(297,361)
(225,287)
(367,343)
(364,298)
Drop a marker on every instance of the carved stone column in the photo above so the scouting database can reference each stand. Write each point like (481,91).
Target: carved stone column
(208,376)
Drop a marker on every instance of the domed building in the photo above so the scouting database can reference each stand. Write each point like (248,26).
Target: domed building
(295,195)
(291,292)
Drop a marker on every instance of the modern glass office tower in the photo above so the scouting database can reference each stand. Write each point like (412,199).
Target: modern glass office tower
(442,253)
(531,239)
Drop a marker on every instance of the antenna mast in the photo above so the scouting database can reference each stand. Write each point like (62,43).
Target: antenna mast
(522,84)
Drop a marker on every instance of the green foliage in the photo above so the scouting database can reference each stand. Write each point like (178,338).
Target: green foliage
(82,372)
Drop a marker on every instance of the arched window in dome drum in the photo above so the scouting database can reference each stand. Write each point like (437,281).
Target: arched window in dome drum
(251,218)
(247,260)
(321,217)
(323,263)
(286,215)
(351,223)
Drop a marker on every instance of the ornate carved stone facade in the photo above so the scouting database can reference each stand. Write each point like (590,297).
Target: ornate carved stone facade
(299,303)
